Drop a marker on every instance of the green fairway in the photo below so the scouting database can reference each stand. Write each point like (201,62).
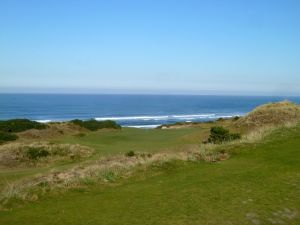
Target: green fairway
(259,185)
(139,140)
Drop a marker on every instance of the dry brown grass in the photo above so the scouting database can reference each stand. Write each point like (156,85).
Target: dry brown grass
(15,154)
(54,130)
(271,114)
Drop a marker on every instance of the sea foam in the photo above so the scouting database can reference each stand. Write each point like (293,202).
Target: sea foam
(166,117)
(43,121)
(151,126)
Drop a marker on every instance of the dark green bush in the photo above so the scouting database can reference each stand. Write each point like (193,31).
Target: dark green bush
(80,135)
(220,119)
(236,118)
(130,154)
(219,135)
(19,125)
(5,136)
(36,153)
(96,125)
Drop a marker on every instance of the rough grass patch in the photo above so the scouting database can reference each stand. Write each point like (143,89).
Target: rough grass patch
(21,154)
(36,153)
(5,137)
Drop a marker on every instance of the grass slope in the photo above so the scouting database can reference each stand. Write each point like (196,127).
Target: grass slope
(259,185)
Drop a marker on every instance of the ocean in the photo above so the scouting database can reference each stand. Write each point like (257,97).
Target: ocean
(141,111)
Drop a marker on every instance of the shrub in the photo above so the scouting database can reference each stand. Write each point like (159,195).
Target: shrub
(80,135)
(5,136)
(236,118)
(36,153)
(130,154)
(19,125)
(96,125)
(219,135)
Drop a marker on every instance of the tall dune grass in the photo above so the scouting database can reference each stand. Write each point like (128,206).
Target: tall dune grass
(271,114)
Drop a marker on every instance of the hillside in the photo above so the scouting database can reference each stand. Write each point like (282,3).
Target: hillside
(271,114)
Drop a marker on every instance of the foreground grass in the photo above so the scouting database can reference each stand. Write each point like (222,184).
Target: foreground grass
(259,185)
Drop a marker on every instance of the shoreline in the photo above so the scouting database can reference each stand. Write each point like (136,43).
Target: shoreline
(152,122)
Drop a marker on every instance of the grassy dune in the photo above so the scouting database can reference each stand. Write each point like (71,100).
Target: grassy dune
(271,114)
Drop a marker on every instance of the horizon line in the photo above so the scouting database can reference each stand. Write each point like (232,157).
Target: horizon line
(149,94)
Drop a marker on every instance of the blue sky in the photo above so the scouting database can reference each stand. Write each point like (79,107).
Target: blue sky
(147,46)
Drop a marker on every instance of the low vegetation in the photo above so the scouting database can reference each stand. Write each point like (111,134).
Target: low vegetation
(36,154)
(19,125)
(130,153)
(5,137)
(219,135)
(94,125)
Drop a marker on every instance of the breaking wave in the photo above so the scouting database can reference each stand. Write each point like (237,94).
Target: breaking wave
(167,117)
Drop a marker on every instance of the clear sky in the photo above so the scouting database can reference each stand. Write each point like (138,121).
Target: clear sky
(149,46)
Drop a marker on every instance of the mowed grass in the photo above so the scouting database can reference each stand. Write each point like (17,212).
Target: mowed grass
(258,185)
(139,140)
